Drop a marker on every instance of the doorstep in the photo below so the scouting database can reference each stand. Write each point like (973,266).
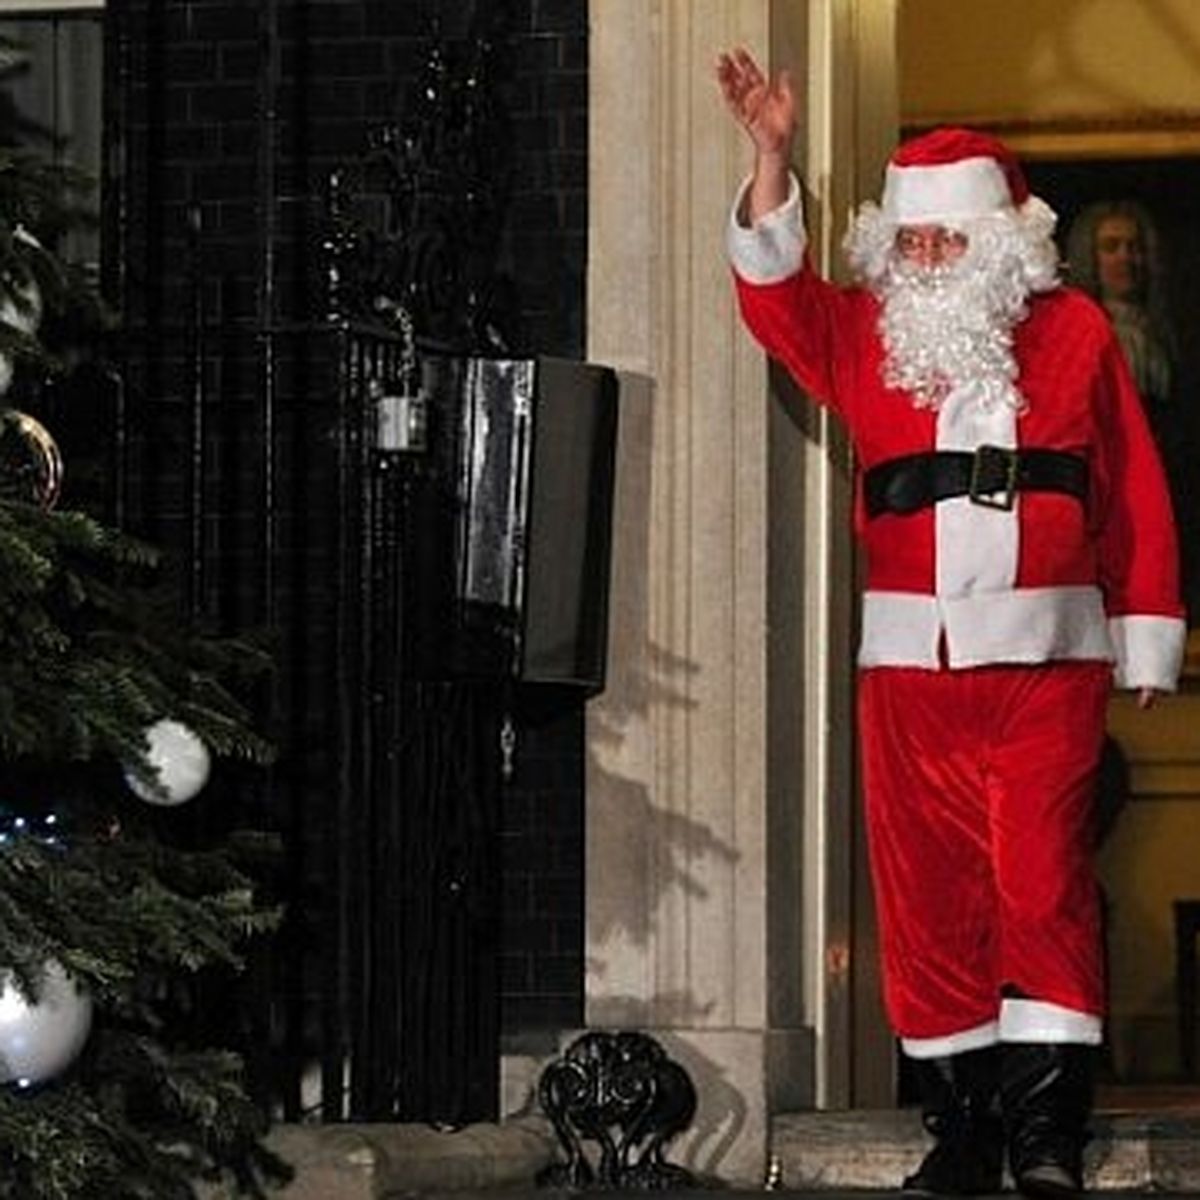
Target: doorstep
(385,1161)
(811,1152)
(867,1150)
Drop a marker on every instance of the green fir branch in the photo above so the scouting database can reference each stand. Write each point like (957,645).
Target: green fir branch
(93,653)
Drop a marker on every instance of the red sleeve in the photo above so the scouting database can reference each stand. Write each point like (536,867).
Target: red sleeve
(809,325)
(1139,551)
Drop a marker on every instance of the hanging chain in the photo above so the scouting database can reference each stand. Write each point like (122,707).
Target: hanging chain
(408,357)
(508,748)
(401,419)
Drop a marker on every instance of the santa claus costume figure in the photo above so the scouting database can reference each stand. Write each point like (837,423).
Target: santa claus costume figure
(1020,557)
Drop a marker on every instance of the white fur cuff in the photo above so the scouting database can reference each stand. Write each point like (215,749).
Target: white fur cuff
(1149,651)
(1041,1021)
(773,247)
(987,1034)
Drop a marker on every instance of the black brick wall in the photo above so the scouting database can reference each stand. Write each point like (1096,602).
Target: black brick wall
(189,114)
(542,864)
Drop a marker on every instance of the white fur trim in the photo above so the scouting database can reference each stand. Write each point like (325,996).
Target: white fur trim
(1029,625)
(1149,651)
(773,247)
(899,629)
(976,545)
(952,1043)
(1041,1021)
(971,187)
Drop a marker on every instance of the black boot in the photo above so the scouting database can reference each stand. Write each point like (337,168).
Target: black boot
(1046,1095)
(958,1103)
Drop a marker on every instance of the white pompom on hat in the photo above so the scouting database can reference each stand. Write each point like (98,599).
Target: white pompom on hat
(952,175)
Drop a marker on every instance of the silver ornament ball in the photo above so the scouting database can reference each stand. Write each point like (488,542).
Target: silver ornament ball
(180,761)
(39,1040)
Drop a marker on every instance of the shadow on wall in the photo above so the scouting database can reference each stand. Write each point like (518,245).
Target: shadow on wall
(720,1118)
(649,850)
(652,850)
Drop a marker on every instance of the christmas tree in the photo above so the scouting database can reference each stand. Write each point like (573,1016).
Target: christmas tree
(110,712)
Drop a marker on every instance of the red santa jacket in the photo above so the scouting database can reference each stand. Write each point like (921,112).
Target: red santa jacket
(1050,578)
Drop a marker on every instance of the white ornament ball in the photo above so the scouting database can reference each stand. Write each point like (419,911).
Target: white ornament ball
(24,310)
(39,1040)
(180,760)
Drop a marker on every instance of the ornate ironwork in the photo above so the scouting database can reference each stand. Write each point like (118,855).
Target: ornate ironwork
(446,168)
(624,1093)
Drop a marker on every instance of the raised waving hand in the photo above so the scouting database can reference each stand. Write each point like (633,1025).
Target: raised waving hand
(766,109)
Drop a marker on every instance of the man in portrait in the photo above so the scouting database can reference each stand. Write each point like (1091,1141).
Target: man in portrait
(1115,253)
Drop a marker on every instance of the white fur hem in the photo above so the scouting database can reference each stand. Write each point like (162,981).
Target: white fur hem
(1027,625)
(899,629)
(1040,1021)
(1149,651)
(772,249)
(952,1043)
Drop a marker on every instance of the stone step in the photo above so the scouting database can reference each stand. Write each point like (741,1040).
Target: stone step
(383,1161)
(869,1150)
(826,1153)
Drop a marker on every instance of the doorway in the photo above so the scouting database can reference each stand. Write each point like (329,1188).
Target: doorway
(1101,107)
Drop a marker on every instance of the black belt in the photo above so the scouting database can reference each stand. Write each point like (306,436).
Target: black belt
(990,476)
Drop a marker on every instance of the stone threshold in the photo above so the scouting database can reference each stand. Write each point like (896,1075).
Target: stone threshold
(387,1161)
(865,1151)
(811,1152)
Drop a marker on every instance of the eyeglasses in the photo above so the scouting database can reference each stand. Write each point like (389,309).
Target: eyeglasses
(934,241)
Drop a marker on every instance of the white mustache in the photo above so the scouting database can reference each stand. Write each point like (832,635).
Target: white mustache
(948,326)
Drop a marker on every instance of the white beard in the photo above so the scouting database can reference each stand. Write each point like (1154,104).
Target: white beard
(950,327)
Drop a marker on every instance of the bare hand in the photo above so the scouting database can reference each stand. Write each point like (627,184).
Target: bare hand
(765,108)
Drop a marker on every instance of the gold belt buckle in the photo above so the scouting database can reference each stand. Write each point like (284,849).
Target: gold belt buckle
(1004,496)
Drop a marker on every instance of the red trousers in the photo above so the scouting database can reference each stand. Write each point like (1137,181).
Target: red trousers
(979,788)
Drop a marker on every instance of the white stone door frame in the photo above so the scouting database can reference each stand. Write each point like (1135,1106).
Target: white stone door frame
(720,782)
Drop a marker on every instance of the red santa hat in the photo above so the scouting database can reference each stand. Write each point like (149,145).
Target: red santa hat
(952,175)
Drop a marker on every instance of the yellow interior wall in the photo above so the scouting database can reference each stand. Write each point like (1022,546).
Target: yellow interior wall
(1151,859)
(967,61)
